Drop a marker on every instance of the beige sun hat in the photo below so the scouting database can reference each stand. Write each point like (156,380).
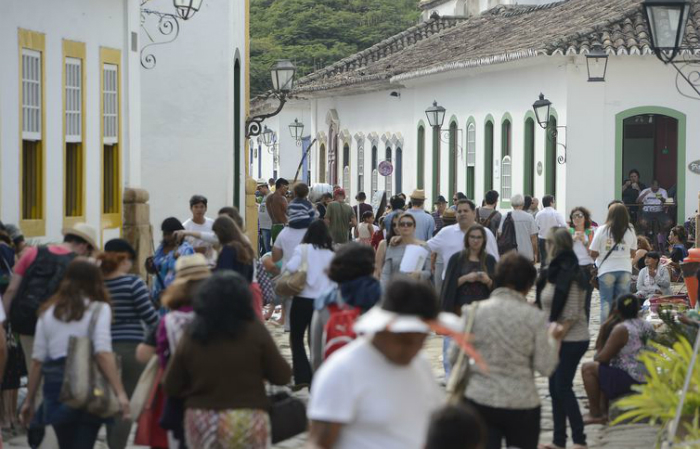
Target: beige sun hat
(191,268)
(418,195)
(84,231)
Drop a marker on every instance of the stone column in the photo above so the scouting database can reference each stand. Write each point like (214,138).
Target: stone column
(137,227)
(251,212)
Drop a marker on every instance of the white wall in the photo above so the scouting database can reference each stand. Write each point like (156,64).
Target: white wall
(187,112)
(97,23)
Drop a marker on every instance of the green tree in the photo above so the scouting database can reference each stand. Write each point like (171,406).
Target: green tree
(316,33)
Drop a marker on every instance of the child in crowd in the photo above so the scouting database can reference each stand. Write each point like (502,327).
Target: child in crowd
(365,230)
(456,427)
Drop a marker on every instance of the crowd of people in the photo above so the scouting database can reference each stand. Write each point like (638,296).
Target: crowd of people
(359,290)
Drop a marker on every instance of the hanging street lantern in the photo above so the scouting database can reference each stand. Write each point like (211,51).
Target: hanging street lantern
(283,75)
(296,130)
(667,20)
(436,115)
(541,108)
(187,8)
(268,136)
(597,64)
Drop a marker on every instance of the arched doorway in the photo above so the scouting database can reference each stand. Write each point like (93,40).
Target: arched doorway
(322,163)
(529,158)
(652,141)
(399,170)
(550,179)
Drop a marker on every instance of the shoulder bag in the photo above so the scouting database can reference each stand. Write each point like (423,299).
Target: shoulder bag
(84,385)
(291,284)
(594,268)
(459,378)
(287,416)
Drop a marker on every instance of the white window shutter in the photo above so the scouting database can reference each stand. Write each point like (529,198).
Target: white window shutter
(31,95)
(110,104)
(73,101)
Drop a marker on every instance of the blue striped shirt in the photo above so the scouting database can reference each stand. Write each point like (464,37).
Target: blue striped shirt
(131,308)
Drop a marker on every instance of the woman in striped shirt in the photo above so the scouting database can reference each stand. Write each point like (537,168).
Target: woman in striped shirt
(132,310)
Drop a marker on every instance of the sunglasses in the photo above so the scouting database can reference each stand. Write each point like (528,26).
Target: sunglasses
(406,224)
(476,237)
(577,215)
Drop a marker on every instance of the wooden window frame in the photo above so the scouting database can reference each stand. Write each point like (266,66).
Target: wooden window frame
(109,56)
(33,41)
(74,50)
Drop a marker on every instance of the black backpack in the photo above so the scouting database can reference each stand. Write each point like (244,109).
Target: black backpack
(38,284)
(507,241)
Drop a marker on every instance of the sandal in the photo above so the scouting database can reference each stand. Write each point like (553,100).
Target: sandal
(590,419)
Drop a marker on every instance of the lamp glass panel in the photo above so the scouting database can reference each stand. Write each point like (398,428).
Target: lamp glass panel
(542,114)
(597,66)
(666,25)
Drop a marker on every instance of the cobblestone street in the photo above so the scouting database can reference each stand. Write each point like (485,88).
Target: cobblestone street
(637,436)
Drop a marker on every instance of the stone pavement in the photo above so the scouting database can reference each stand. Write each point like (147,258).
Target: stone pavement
(633,436)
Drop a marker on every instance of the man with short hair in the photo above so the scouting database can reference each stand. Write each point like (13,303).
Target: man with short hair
(340,218)
(264,219)
(425,224)
(534,207)
(547,219)
(397,204)
(378,391)
(653,199)
(201,224)
(487,215)
(277,207)
(459,196)
(525,228)
(440,207)
(322,205)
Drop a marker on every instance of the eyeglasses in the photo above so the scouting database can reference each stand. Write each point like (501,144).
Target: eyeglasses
(476,237)
(577,215)
(406,224)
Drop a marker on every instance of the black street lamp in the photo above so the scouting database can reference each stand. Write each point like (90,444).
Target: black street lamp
(597,64)
(282,84)
(187,8)
(436,115)
(541,108)
(667,21)
(296,129)
(268,136)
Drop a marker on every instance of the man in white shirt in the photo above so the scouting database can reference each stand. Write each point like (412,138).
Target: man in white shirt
(525,228)
(653,199)
(378,392)
(450,239)
(202,224)
(547,219)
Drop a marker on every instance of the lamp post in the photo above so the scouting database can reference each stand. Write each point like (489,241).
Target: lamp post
(296,130)
(268,137)
(282,74)
(436,117)
(597,64)
(542,109)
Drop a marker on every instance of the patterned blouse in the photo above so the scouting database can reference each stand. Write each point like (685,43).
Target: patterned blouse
(638,332)
(165,265)
(512,338)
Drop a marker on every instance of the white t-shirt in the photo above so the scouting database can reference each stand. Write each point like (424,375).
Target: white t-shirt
(52,334)
(287,240)
(381,405)
(525,227)
(263,216)
(318,261)
(547,219)
(620,259)
(450,240)
(208,238)
(653,202)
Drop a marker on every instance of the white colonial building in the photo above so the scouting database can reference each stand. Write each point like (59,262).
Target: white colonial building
(84,114)
(487,69)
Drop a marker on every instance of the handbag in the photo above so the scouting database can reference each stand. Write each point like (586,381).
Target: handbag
(142,392)
(459,378)
(291,284)
(287,416)
(148,431)
(594,268)
(84,385)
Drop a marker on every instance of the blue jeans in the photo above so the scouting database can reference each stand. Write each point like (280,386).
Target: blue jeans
(446,342)
(612,285)
(76,435)
(266,238)
(561,389)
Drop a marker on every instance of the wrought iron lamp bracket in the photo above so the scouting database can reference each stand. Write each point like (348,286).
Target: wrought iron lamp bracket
(168,28)
(553,135)
(688,68)
(445,138)
(253,125)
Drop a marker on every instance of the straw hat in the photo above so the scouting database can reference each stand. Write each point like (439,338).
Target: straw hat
(418,195)
(191,268)
(84,231)
(380,320)
(449,216)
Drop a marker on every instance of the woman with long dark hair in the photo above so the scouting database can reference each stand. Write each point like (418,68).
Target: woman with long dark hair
(162,264)
(615,367)
(316,253)
(80,297)
(236,253)
(561,292)
(132,310)
(582,233)
(351,269)
(220,368)
(613,247)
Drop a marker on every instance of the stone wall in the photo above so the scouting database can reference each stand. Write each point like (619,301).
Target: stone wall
(137,228)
